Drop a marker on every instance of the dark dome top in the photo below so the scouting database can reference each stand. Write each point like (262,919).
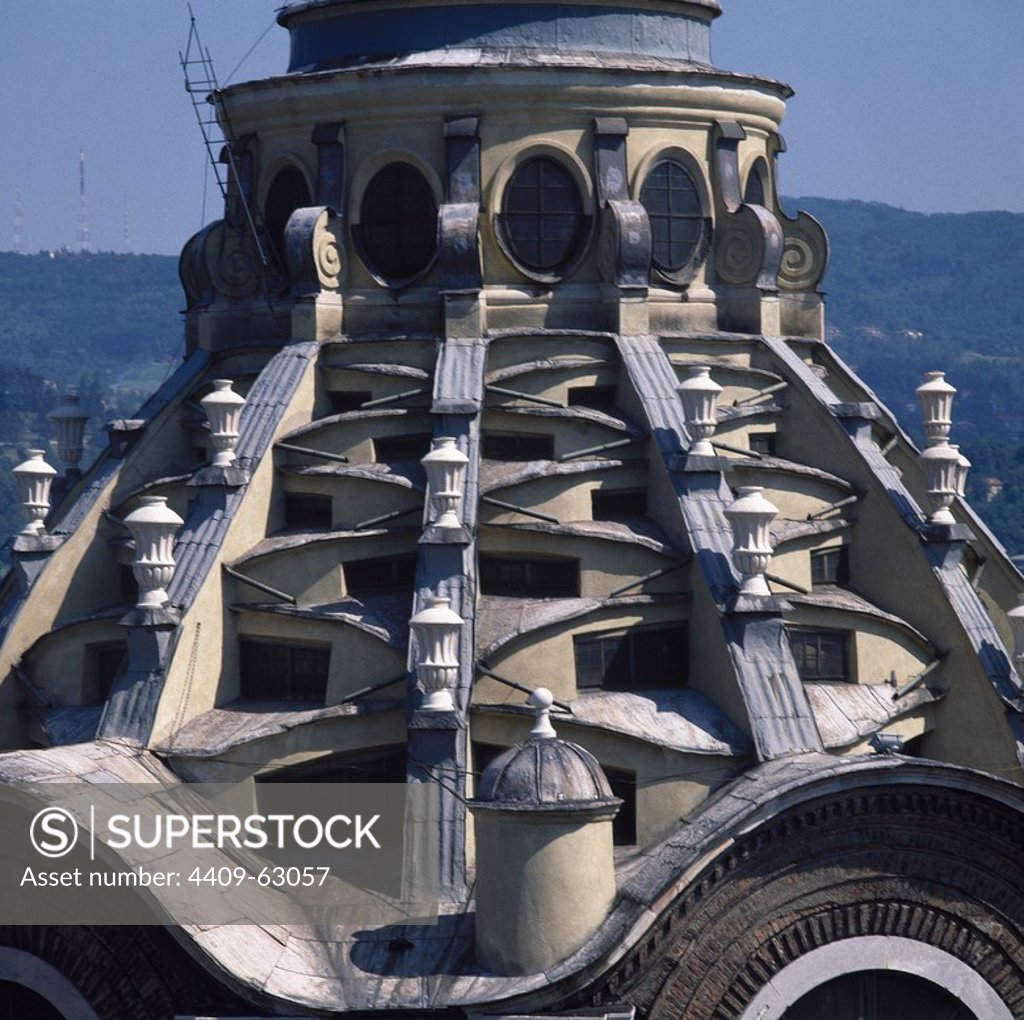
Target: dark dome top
(545,771)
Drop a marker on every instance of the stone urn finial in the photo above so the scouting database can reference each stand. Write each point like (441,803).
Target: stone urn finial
(750,516)
(153,526)
(699,393)
(445,466)
(935,398)
(437,632)
(223,408)
(69,426)
(541,701)
(34,477)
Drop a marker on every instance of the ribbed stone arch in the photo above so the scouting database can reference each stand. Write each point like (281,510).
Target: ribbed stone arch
(904,857)
(23,968)
(882,953)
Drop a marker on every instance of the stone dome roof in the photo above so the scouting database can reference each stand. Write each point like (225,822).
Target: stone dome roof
(545,771)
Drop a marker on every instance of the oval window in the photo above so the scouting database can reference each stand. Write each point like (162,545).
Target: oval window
(542,216)
(398,222)
(287,192)
(679,229)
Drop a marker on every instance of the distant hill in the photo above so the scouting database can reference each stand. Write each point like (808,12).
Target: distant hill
(906,293)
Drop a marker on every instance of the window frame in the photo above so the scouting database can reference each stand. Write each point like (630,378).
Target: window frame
(257,645)
(684,273)
(631,637)
(576,246)
(363,228)
(797,634)
(836,578)
(490,562)
(490,438)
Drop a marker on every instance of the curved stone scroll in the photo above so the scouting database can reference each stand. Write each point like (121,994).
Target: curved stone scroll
(459,246)
(193,273)
(749,247)
(312,250)
(625,244)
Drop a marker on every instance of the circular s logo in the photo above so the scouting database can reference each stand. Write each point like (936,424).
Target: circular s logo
(53,831)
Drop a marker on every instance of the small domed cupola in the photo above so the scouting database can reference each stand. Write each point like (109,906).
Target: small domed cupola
(545,875)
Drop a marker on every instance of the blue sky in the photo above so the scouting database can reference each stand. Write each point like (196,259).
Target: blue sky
(914,102)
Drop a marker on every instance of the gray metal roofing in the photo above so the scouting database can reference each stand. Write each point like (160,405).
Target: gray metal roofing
(780,715)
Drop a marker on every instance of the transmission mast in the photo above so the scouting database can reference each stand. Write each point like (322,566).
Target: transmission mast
(19,226)
(83,213)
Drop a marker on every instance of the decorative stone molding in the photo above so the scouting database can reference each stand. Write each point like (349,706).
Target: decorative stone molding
(312,246)
(458,219)
(231,261)
(935,398)
(942,471)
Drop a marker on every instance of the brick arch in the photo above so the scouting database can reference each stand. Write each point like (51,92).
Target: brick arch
(935,864)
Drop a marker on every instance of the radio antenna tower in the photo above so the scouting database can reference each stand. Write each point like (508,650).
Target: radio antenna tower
(83,214)
(126,227)
(19,227)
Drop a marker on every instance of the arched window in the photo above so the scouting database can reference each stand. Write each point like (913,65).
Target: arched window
(287,192)
(878,995)
(756,191)
(542,218)
(679,228)
(398,223)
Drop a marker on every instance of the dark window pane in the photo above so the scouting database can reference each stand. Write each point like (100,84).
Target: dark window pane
(524,578)
(105,662)
(829,566)
(307,510)
(516,446)
(348,400)
(673,205)
(398,225)
(279,671)
(762,442)
(287,192)
(542,214)
(641,658)
(601,398)
(616,504)
(623,784)
(411,447)
(380,574)
(755,193)
(819,654)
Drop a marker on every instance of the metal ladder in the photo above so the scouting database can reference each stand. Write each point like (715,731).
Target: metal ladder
(218,137)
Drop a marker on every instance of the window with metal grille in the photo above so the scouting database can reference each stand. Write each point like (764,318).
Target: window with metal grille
(542,216)
(523,577)
(762,443)
(638,658)
(287,192)
(830,566)
(348,400)
(408,447)
(398,222)
(380,574)
(616,504)
(272,670)
(515,446)
(601,398)
(307,510)
(820,654)
(679,228)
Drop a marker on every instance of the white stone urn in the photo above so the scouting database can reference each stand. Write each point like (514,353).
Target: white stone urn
(445,466)
(153,526)
(962,468)
(700,393)
(69,427)
(750,517)
(223,409)
(935,398)
(34,477)
(942,470)
(437,631)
